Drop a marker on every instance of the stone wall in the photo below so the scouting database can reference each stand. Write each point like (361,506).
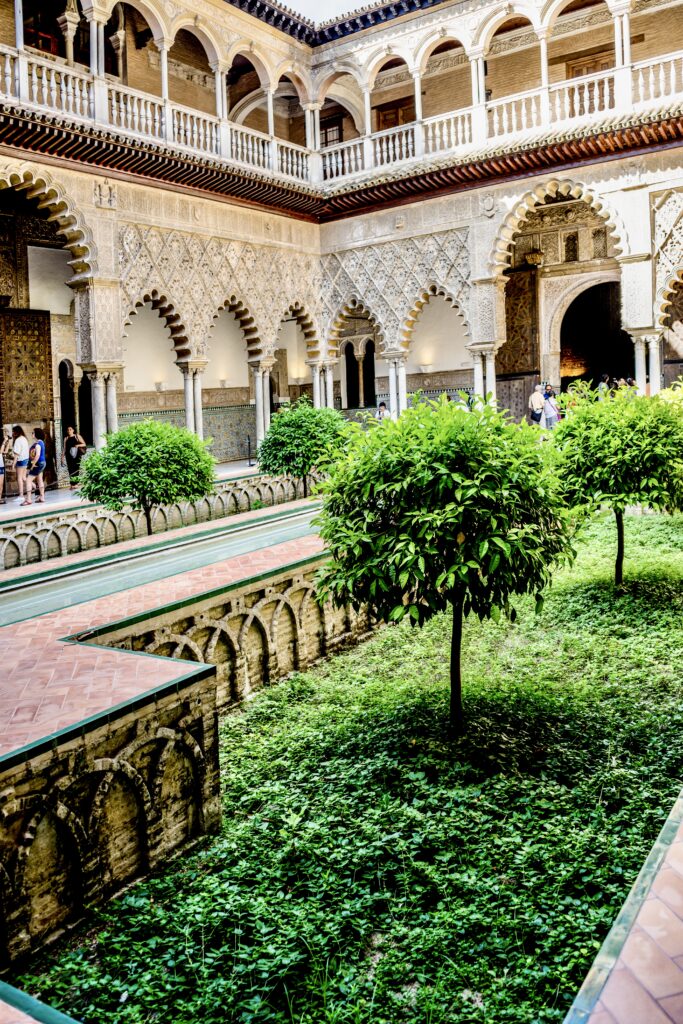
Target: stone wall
(35,538)
(86,812)
(253,635)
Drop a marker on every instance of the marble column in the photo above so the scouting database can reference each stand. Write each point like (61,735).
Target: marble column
(111,403)
(100,47)
(361,382)
(478,374)
(94,62)
(197,396)
(626,36)
(641,369)
(393,396)
(163,65)
(258,395)
(490,361)
(315,377)
(654,349)
(19,24)
(265,379)
(401,386)
(342,383)
(329,384)
(99,412)
(188,388)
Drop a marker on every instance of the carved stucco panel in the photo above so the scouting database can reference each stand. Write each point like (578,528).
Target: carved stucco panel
(197,274)
(668,241)
(388,279)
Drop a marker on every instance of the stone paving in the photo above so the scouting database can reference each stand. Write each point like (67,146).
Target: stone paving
(49,684)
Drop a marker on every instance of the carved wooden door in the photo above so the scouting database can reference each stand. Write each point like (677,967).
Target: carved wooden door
(25,367)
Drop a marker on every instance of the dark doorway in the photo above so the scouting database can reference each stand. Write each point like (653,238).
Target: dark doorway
(85,409)
(67,400)
(351,370)
(592,341)
(369,376)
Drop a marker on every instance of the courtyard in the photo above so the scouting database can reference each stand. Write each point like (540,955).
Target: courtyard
(372,869)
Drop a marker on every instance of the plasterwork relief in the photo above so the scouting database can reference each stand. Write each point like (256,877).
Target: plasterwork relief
(518,354)
(389,278)
(668,242)
(197,275)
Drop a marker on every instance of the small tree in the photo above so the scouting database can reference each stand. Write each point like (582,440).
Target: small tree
(442,508)
(148,464)
(624,450)
(301,439)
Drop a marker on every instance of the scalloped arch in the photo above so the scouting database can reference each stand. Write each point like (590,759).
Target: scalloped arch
(500,257)
(167,311)
(353,305)
(50,195)
(431,291)
(665,297)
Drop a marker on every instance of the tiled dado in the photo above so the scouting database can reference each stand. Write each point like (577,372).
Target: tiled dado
(637,977)
(231,428)
(36,537)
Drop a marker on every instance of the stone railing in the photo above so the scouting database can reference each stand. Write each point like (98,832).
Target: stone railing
(47,85)
(36,538)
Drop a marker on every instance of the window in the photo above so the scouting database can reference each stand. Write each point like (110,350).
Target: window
(392,115)
(331,132)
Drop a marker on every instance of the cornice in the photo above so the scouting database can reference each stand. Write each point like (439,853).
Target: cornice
(76,145)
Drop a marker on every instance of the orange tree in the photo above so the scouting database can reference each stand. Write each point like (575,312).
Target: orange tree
(623,450)
(444,508)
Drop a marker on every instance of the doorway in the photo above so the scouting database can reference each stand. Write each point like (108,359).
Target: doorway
(592,341)
(369,392)
(351,370)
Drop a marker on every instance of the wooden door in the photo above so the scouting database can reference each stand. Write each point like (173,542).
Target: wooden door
(26,394)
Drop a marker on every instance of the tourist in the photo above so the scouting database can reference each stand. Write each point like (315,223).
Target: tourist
(603,387)
(36,467)
(536,403)
(382,412)
(551,411)
(20,452)
(73,451)
(5,453)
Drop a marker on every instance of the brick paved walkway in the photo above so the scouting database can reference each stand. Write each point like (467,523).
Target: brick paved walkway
(48,684)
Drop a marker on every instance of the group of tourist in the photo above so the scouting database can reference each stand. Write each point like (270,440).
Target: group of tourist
(30,459)
(543,408)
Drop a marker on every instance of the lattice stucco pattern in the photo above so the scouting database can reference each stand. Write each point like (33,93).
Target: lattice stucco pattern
(668,241)
(389,278)
(197,275)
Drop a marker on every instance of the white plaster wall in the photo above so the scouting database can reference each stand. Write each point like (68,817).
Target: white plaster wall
(227,353)
(148,356)
(291,337)
(48,270)
(439,339)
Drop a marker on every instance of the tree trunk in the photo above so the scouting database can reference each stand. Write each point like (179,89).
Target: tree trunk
(619,565)
(305,486)
(456,718)
(148,518)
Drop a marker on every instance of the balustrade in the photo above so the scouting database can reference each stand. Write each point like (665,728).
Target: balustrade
(52,85)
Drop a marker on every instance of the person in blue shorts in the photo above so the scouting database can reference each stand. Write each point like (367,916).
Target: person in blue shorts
(36,467)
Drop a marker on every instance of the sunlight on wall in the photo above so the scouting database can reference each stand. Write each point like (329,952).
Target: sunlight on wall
(227,354)
(148,353)
(439,339)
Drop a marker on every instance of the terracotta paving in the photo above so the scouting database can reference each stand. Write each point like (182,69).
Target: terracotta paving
(48,684)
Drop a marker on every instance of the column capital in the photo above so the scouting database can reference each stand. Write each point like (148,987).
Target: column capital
(267,364)
(192,365)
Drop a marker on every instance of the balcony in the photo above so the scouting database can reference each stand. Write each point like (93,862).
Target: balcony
(43,85)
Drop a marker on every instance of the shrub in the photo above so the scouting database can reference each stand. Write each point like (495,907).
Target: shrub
(301,439)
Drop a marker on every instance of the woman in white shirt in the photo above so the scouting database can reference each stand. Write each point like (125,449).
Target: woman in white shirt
(20,450)
(5,452)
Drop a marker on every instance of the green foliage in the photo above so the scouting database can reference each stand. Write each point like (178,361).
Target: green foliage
(301,439)
(444,506)
(621,451)
(148,464)
(372,872)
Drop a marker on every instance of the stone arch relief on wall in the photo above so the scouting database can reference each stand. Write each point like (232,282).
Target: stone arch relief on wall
(668,241)
(198,274)
(387,276)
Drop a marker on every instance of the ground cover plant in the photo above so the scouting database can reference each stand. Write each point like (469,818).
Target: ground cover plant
(373,871)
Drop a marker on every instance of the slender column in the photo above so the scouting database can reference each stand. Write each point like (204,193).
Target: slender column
(198,410)
(402,386)
(478,375)
(258,395)
(316,126)
(329,380)
(315,377)
(482,79)
(342,383)
(393,396)
(218,79)
(474,73)
(265,376)
(490,360)
(189,397)
(543,42)
(271,112)
(626,37)
(99,412)
(654,343)
(68,23)
(309,127)
(641,371)
(361,383)
(618,41)
(163,65)
(19,24)
(100,47)
(94,62)
(417,83)
(112,408)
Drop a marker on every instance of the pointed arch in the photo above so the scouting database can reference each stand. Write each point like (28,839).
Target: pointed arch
(352,306)
(166,310)
(71,225)
(430,291)
(500,257)
(297,311)
(247,324)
